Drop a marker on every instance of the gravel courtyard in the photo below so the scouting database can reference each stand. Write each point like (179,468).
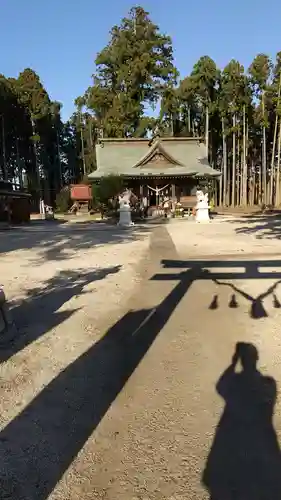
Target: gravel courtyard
(62,282)
(121,383)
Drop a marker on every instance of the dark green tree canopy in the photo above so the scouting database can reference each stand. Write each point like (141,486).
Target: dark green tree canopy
(132,72)
(35,145)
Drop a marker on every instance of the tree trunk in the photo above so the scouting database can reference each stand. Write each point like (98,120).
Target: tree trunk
(260,185)
(277,194)
(272,167)
(82,147)
(251,191)
(244,161)
(221,189)
(172,124)
(5,172)
(59,161)
(241,177)
(233,161)
(207,131)
(237,173)
(263,153)
(37,166)
(19,169)
(252,185)
(188,120)
(273,173)
(228,190)
(224,153)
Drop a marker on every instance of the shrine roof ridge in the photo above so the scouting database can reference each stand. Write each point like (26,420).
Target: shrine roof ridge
(152,139)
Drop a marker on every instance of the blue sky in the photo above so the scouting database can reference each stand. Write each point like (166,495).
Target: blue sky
(60,38)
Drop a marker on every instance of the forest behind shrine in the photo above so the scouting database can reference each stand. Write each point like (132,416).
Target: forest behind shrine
(137,90)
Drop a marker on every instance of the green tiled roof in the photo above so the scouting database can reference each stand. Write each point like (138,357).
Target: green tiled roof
(130,157)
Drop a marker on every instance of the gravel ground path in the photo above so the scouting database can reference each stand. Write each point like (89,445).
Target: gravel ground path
(144,412)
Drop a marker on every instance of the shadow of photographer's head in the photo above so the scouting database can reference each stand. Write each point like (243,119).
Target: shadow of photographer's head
(248,356)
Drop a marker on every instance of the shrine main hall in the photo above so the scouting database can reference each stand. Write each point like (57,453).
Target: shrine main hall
(172,166)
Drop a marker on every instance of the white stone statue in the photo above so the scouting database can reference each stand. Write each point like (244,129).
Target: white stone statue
(124,198)
(125,219)
(202,207)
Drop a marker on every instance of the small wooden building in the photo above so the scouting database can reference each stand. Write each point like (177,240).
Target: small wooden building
(15,204)
(166,166)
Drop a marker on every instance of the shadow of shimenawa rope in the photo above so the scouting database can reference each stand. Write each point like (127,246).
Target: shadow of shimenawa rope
(257,310)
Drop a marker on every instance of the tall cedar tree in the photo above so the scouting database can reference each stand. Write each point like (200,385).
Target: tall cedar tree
(133,71)
(36,148)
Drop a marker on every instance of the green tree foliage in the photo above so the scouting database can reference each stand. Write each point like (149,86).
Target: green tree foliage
(190,109)
(238,114)
(131,73)
(36,148)
(63,200)
(108,187)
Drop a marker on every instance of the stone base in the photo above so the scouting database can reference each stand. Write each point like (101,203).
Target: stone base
(202,215)
(122,224)
(47,216)
(125,219)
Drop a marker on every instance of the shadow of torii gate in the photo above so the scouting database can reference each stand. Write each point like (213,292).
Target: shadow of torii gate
(213,270)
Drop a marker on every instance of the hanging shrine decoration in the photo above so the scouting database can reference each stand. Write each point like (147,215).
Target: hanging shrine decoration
(158,190)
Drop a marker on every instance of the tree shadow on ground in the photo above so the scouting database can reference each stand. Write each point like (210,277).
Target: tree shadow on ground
(262,226)
(59,242)
(39,312)
(244,462)
(39,445)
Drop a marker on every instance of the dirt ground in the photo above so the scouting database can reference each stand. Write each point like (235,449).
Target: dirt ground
(61,282)
(114,388)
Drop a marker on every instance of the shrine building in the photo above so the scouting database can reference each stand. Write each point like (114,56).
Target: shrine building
(168,166)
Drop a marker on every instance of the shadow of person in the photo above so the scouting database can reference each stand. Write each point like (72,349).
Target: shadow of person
(244,462)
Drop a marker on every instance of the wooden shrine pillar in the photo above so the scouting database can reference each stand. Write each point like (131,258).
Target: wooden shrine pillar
(173,191)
